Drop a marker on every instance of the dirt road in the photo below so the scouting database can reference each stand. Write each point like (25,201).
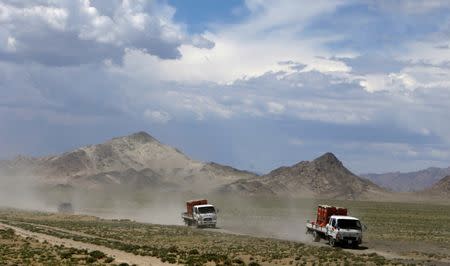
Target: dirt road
(118,255)
(405,251)
(385,249)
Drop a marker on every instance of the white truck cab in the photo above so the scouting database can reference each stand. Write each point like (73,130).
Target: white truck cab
(205,215)
(344,230)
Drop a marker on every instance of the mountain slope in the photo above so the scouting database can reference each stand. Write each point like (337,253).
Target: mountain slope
(410,181)
(131,160)
(324,177)
(440,189)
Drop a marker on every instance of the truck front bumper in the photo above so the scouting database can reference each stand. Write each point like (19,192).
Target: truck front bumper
(350,240)
(207,223)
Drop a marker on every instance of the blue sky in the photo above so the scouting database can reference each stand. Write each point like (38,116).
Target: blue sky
(254,84)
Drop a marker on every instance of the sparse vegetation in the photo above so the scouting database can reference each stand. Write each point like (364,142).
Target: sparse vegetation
(178,244)
(17,250)
(183,245)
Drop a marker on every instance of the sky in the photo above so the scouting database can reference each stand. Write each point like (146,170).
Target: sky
(253,84)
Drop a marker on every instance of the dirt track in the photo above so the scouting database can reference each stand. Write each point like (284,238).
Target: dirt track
(388,249)
(118,255)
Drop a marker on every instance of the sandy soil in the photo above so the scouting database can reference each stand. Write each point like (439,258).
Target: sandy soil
(118,255)
(408,252)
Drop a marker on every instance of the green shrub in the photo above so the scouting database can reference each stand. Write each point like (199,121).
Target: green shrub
(109,259)
(97,254)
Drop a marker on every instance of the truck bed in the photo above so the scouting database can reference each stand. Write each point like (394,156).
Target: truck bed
(315,227)
(186,215)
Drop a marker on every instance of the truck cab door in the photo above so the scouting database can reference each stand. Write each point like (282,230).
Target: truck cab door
(330,225)
(195,211)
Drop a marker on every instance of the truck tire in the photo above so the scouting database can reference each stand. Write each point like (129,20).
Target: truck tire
(332,241)
(316,236)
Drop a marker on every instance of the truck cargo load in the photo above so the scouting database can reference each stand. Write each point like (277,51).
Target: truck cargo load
(324,213)
(191,203)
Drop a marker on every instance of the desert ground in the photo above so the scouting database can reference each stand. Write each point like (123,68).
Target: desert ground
(251,231)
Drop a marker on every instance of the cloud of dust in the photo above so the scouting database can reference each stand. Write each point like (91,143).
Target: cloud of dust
(265,217)
(20,191)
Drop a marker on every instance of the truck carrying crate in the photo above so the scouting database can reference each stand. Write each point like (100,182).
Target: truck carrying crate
(333,224)
(191,203)
(199,213)
(324,213)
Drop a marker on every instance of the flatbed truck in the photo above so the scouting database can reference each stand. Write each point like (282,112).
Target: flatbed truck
(199,213)
(333,224)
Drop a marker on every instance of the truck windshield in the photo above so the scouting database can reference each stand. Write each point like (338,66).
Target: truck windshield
(349,224)
(206,210)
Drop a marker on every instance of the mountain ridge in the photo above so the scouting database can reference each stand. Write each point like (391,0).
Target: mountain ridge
(110,160)
(324,177)
(409,181)
(440,189)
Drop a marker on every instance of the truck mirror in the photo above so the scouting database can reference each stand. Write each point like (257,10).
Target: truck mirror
(217,210)
(364,227)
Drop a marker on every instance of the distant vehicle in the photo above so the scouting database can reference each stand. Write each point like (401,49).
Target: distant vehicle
(65,208)
(199,213)
(333,224)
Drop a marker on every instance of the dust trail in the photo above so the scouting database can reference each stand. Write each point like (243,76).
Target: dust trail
(20,191)
(277,218)
(267,217)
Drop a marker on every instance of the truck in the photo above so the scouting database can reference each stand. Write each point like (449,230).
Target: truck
(199,213)
(333,224)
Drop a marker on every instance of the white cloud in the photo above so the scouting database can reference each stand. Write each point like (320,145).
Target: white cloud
(389,82)
(275,108)
(296,142)
(411,7)
(157,116)
(83,32)
(11,44)
(53,16)
(272,33)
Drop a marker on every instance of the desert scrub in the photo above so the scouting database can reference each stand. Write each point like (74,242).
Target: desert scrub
(178,244)
(16,250)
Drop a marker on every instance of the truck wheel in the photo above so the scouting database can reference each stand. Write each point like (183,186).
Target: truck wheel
(332,241)
(316,236)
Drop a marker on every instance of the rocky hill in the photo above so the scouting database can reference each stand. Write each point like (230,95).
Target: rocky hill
(410,181)
(324,177)
(135,160)
(141,161)
(440,189)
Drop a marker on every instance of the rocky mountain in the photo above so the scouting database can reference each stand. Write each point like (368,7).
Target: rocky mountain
(440,189)
(141,161)
(324,177)
(136,160)
(410,181)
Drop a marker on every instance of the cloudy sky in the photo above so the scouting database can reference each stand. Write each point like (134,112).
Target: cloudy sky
(254,84)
